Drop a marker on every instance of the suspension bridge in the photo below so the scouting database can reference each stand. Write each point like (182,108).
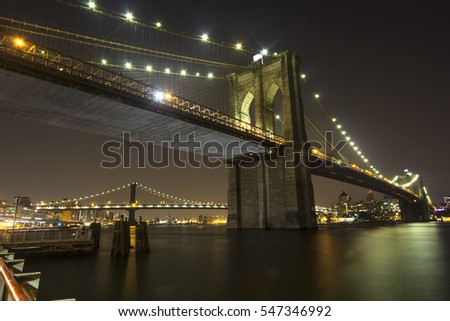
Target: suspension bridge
(130,197)
(112,73)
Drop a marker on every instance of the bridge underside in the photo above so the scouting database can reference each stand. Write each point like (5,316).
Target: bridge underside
(66,103)
(96,111)
(349,175)
(412,208)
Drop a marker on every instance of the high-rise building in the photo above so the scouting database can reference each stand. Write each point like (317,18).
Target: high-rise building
(343,197)
(447,201)
(341,207)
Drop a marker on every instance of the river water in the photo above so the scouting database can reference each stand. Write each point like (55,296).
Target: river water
(403,261)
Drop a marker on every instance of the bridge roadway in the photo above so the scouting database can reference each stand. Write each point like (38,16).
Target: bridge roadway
(359,177)
(37,92)
(58,207)
(52,104)
(71,98)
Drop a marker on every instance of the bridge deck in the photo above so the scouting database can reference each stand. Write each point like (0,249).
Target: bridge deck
(83,96)
(66,99)
(66,107)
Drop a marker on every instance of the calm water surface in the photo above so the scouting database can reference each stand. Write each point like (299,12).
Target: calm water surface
(409,261)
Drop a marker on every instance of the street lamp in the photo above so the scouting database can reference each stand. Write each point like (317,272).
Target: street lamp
(16,203)
(278,117)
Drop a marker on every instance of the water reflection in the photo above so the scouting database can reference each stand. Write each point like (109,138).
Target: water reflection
(398,262)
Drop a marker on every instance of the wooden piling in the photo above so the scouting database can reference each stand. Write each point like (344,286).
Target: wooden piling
(142,242)
(121,240)
(95,228)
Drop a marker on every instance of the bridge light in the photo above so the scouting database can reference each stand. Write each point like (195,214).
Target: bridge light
(334,120)
(277,117)
(355,148)
(303,77)
(158,24)
(204,37)
(343,132)
(339,126)
(159,95)
(238,46)
(129,16)
(91,5)
(197,74)
(167,70)
(183,72)
(359,152)
(257,57)
(316,96)
(348,138)
(128,65)
(19,42)
(104,61)
(210,75)
(149,68)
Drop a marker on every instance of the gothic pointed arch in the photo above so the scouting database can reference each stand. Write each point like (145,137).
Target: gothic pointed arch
(274,101)
(247,111)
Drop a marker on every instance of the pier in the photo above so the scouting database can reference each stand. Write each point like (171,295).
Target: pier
(70,241)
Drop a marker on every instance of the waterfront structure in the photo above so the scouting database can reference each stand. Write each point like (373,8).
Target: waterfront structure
(266,111)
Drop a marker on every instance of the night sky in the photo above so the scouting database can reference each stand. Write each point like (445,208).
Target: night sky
(381,67)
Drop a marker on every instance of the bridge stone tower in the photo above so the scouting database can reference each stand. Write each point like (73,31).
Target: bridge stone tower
(269,96)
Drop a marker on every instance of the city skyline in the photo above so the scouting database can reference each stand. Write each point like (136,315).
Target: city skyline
(380,68)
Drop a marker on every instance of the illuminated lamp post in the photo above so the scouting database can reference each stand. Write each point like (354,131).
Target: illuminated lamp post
(16,203)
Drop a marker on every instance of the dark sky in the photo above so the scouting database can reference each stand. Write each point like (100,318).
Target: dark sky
(381,67)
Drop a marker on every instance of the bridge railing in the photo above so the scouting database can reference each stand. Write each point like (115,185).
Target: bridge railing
(22,236)
(14,284)
(217,116)
(55,61)
(318,154)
